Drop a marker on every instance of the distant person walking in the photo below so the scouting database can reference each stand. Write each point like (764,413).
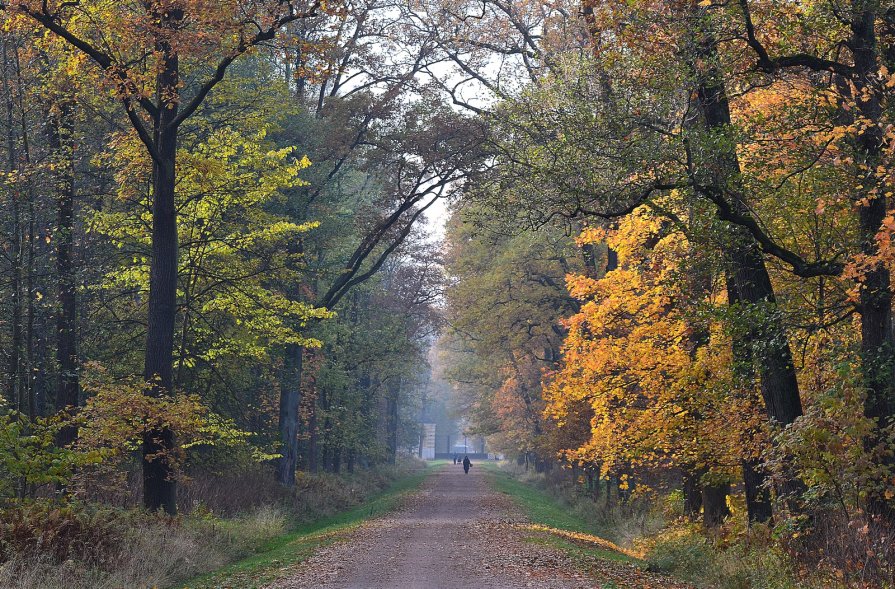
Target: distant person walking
(466,464)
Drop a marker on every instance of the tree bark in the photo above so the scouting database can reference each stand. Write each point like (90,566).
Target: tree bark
(692,493)
(714,504)
(875,302)
(391,422)
(14,366)
(290,401)
(749,283)
(159,487)
(68,386)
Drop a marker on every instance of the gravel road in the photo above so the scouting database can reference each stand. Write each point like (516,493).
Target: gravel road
(454,534)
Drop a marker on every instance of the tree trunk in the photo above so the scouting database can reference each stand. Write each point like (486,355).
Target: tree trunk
(28,371)
(159,487)
(290,401)
(391,423)
(313,454)
(68,386)
(14,366)
(692,493)
(749,283)
(875,303)
(337,460)
(714,504)
(758,498)
(349,463)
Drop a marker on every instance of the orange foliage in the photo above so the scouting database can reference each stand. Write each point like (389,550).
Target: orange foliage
(639,353)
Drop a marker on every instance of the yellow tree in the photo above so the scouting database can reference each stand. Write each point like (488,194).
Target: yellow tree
(160,59)
(652,365)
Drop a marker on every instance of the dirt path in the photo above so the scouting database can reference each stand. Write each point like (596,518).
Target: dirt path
(452,535)
(456,533)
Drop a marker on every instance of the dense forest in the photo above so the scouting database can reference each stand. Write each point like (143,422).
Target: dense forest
(665,274)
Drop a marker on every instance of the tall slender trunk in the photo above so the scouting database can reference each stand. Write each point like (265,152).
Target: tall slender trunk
(14,369)
(391,422)
(28,368)
(28,372)
(325,442)
(67,389)
(313,434)
(875,302)
(290,401)
(159,487)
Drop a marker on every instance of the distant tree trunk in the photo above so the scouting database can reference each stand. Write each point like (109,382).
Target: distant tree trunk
(692,493)
(349,462)
(325,443)
(337,460)
(290,401)
(313,436)
(28,369)
(714,504)
(391,423)
(68,385)
(14,370)
(28,372)
(159,487)
(611,259)
(596,481)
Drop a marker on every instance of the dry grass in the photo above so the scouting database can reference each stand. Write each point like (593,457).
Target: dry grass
(229,518)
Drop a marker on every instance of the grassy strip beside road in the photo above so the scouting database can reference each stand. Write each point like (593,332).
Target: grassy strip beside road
(551,522)
(277,557)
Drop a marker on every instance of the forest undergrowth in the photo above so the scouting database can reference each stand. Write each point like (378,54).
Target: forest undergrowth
(46,544)
(652,531)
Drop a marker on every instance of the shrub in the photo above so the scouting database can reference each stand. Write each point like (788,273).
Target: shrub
(683,552)
(63,531)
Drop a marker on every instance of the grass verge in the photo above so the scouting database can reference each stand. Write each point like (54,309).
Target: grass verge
(552,523)
(558,525)
(278,557)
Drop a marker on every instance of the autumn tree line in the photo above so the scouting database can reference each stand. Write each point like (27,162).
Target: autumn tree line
(212,252)
(668,266)
(675,271)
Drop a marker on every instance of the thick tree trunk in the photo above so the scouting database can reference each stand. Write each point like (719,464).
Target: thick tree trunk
(692,493)
(758,498)
(749,283)
(159,487)
(290,401)
(875,303)
(714,504)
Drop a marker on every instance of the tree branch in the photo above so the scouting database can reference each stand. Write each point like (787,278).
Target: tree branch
(769,64)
